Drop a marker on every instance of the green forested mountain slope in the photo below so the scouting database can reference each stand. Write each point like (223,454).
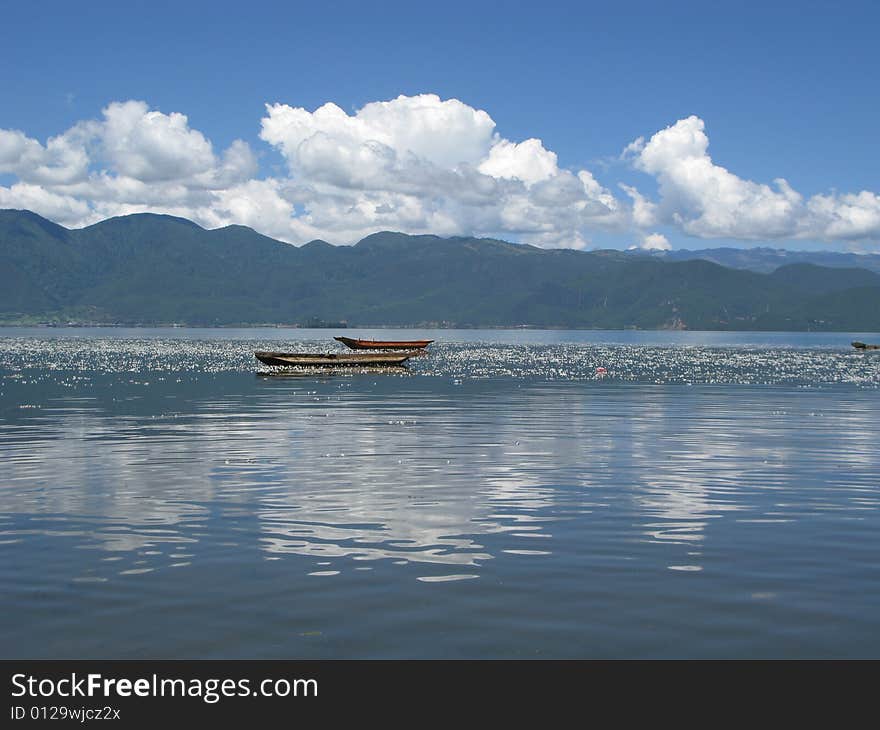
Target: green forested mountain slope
(158,269)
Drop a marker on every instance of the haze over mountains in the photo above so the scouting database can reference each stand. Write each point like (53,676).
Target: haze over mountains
(766,259)
(150,269)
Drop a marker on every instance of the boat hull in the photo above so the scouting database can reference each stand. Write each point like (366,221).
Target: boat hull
(330,360)
(356,344)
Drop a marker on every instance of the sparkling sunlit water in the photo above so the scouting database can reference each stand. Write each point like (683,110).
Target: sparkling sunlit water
(711,495)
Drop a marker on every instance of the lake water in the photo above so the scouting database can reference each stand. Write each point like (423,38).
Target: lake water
(162,495)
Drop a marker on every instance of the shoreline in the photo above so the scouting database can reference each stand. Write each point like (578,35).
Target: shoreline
(425,326)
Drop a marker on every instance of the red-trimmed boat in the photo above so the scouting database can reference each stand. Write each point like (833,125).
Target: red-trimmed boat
(383,344)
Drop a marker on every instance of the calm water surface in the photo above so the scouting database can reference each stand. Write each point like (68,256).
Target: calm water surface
(713,495)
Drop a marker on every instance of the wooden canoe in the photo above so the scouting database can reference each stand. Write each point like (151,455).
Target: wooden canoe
(863,346)
(383,344)
(331,359)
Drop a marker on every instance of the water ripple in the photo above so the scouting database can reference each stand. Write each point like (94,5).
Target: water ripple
(541,502)
(33,358)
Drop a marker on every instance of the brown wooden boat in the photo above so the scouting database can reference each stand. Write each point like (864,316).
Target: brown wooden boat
(332,359)
(863,346)
(383,344)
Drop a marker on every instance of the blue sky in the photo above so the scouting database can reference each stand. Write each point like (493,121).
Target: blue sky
(781,90)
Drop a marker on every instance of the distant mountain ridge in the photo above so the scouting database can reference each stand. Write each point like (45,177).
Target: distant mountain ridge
(766,260)
(149,269)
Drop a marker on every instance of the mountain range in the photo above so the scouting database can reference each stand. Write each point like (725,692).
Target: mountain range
(765,259)
(150,269)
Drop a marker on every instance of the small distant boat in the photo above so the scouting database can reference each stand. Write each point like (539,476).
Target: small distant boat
(383,344)
(863,346)
(332,359)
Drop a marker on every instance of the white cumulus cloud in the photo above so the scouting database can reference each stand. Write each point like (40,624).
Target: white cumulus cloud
(655,242)
(419,164)
(133,159)
(527,161)
(151,146)
(423,164)
(709,201)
